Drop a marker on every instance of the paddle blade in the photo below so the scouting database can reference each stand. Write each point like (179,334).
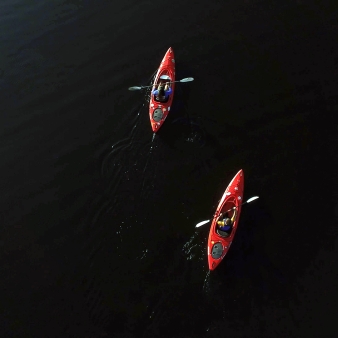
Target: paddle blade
(134,88)
(252,199)
(187,79)
(201,223)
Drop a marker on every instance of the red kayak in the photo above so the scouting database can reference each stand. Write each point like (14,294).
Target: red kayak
(219,241)
(158,111)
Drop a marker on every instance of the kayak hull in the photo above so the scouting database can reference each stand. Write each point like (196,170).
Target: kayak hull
(218,245)
(158,111)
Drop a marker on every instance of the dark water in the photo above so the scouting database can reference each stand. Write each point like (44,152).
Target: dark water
(97,217)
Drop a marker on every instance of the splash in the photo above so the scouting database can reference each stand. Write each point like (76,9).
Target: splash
(189,246)
(144,253)
(206,284)
(192,131)
(194,248)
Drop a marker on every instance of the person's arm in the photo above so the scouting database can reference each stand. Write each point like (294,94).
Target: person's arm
(155,92)
(154,88)
(168,88)
(219,217)
(234,216)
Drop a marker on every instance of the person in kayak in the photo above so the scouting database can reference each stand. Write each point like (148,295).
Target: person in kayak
(225,223)
(162,92)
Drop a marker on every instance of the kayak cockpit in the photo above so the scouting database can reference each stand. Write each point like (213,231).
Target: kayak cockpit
(226,213)
(163,79)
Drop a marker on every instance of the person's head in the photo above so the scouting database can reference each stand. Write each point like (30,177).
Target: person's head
(227,221)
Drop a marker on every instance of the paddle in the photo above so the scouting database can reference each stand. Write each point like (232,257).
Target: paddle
(207,221)
(187,79)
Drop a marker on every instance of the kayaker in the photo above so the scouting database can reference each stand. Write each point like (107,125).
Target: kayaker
(225,223)
(162,92)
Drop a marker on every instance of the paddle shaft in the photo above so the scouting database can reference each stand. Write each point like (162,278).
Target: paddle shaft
(187,79)
(217,215)
(156,84)
(238,206)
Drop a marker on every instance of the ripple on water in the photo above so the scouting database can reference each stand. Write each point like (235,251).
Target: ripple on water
(191,134)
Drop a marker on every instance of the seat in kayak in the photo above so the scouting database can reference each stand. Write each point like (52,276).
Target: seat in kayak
(161,101)
(223,233)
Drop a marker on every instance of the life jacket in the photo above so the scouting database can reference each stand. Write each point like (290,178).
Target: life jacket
(224,227)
